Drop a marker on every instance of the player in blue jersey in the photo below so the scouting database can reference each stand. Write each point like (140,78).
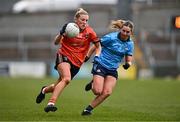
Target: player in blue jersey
(116,46)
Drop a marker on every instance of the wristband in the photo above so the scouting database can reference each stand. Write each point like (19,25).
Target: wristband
(86,59)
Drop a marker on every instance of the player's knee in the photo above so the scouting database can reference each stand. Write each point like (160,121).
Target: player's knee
(107,92)
(66,80)
(97,91)
(52,87)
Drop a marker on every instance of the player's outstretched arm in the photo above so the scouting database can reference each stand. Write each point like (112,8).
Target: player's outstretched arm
(94,48)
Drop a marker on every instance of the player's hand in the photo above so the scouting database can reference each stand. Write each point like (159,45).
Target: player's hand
(95,59)
(126,65)
(86,59)
(62,31)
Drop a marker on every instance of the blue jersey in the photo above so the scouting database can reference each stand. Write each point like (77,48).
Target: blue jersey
(114,50)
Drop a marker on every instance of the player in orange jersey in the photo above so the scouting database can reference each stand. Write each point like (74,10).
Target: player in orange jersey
(70,57)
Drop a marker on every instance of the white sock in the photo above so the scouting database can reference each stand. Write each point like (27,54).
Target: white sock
(50,103)
(43,90)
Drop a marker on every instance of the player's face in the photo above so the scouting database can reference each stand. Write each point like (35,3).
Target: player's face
(125,32)
(82,21)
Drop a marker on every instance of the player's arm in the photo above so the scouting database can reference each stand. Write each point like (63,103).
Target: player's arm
(97,48)
(59,37)
(94,48)
(90,52)
(128,61)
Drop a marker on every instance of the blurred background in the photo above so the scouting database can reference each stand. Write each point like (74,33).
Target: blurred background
(28,27)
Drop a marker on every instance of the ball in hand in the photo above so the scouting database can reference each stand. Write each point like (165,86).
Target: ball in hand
(72,30)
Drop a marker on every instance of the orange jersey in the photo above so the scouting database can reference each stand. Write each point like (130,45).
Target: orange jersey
(76,48)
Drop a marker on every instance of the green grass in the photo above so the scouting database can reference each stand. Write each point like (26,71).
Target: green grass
(137,100)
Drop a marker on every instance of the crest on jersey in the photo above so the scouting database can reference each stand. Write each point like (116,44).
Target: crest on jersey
(86,35)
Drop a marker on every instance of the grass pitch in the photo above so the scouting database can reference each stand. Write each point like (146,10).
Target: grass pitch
(136,100)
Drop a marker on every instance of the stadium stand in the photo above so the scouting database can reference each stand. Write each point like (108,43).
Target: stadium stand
(28,36)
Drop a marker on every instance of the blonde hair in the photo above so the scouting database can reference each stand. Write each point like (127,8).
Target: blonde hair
(118,24)
(80,11)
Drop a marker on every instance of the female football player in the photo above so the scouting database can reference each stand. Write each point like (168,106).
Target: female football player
(115,46)
(70,57)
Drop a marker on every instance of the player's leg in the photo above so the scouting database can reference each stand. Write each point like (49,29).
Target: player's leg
(98,84)
(109,84)
(40,97)
(88,86)
(49,89)
(64,71)
(44,90)
(96,70)
(97,88)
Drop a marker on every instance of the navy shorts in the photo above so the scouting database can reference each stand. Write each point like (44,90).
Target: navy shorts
(98,69)
(61,58)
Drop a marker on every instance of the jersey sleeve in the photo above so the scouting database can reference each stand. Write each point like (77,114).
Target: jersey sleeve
(105,40)
(93,36)
(130,48)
